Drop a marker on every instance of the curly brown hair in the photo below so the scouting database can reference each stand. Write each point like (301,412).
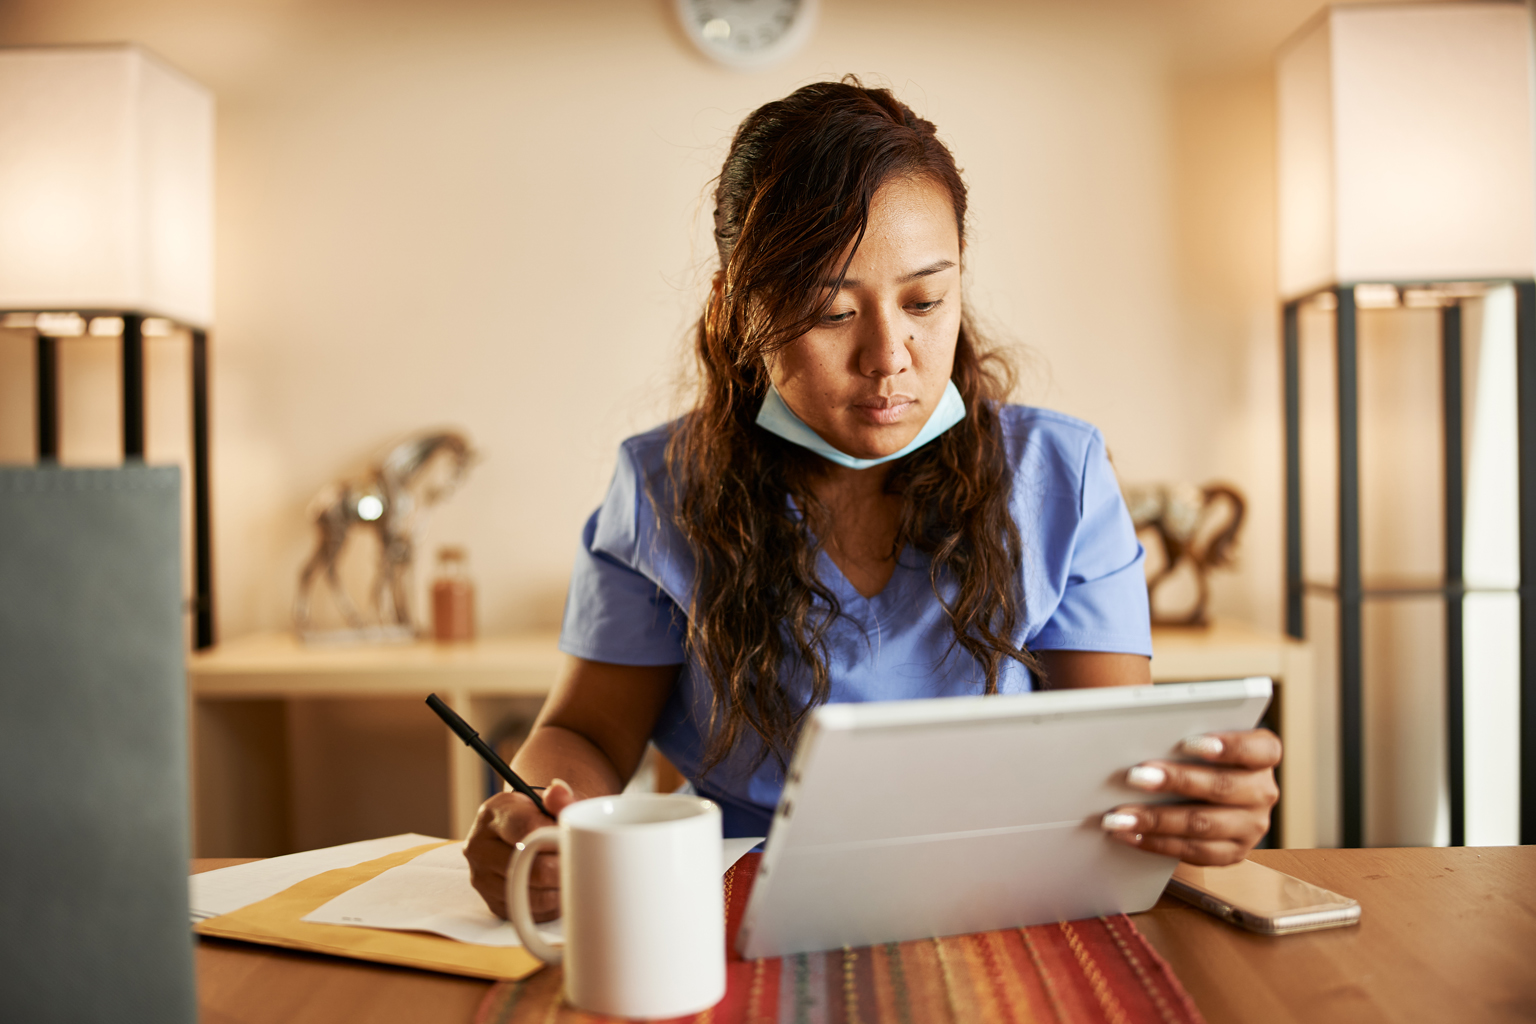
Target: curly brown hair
(793,197)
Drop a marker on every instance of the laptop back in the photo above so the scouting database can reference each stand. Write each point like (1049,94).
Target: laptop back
(93,748)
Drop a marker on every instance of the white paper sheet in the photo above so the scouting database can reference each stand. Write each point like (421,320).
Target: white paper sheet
(432,894)
(228,889)
(732,850)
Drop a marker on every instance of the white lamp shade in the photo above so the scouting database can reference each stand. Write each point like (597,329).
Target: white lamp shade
(1406,146)
(106,184)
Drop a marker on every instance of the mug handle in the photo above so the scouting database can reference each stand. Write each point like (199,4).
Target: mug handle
(517,892)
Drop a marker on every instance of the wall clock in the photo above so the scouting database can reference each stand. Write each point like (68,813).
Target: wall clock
(748,34)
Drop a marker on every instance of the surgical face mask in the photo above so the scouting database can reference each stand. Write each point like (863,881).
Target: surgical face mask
(777,418)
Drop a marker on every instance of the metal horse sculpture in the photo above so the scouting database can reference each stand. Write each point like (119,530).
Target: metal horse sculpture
(416,474)
(1187,522)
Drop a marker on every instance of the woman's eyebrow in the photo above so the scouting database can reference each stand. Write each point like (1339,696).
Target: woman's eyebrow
(933,268)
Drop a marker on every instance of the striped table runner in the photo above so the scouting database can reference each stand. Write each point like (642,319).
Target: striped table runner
(1098,970)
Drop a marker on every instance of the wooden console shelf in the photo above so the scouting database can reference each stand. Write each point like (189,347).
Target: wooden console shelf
(279,665)
(480,680)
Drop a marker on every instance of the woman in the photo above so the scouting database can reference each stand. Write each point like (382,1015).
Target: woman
(850,512)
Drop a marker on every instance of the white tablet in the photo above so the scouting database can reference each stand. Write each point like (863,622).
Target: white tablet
(918,818)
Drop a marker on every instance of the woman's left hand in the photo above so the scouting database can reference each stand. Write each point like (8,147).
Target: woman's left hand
(1229,798)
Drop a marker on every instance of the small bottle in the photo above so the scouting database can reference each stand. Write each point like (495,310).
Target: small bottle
(453,597)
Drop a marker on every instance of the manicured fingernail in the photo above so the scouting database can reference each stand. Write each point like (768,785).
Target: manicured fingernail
(559,782)
(1146,776)
(1202,746)
(1118,821)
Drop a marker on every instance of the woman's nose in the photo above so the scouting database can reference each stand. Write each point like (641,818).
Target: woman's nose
(883,348)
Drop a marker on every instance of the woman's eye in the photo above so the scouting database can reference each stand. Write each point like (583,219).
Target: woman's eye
(837,318)
(926,306)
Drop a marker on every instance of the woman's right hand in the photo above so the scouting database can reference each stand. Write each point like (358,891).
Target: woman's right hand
(500,825)
(593,729)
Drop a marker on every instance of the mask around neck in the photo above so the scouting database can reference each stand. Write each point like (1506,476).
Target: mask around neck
(777,418)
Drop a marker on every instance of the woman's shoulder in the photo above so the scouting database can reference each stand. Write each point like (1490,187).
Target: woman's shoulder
(641,489)
(642,462)
(633,525)
(1035,435)
(649,449)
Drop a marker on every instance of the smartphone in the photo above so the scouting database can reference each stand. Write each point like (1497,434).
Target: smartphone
(1262,899)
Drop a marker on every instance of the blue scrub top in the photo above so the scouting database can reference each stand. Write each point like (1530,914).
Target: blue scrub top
(1084,590)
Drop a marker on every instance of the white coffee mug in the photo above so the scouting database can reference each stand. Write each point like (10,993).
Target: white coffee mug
(641,901)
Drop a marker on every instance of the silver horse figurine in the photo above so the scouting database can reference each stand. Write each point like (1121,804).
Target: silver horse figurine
(416,474)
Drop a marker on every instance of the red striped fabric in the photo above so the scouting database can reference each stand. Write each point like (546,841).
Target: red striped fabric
(1098,970)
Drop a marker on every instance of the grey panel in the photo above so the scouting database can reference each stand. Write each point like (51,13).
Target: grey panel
(93,736)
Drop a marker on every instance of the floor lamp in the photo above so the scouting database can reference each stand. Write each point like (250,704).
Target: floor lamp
(1406,178)
(106,228)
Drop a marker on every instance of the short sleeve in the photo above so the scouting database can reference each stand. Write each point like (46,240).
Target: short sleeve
(616,611)
(1103,606)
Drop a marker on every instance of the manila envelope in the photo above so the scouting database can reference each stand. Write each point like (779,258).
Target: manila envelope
(275,921)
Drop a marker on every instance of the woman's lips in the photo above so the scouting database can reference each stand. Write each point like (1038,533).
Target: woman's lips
(886,410)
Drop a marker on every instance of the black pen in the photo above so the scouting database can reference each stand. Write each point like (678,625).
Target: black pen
(474,742)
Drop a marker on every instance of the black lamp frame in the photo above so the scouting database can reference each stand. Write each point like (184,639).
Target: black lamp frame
(1352,591)
(47,375)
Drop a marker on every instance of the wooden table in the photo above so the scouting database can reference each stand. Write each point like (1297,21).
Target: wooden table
(239,983)
(1445,935)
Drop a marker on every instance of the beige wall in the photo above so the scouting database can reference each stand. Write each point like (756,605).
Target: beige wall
(493,215)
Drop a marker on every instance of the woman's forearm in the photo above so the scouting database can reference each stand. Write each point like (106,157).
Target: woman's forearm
(591,735)
(553,752)
(1074,670)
